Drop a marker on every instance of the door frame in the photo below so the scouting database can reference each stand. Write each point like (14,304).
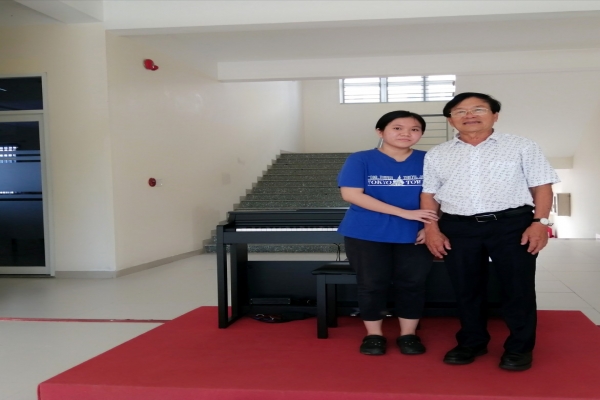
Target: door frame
(40,117)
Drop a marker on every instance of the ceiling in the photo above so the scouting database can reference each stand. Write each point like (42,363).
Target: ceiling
(205,46)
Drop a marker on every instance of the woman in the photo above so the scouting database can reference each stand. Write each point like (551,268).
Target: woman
(383,230)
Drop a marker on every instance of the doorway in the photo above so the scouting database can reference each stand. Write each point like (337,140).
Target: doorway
(23,244)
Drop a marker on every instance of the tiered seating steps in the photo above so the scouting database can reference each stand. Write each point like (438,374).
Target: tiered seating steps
(293,181)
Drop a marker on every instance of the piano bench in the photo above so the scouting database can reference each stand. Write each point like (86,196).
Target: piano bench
(328,276)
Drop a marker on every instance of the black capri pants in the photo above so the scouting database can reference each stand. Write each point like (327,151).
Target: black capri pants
(383,268)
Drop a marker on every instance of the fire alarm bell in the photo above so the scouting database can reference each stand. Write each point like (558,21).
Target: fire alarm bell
(149,64)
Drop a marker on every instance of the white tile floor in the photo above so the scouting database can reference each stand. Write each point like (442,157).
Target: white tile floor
(568,278)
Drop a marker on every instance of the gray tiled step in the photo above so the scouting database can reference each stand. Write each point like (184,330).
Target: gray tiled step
(299,178)
(302,172)
(329,156)
(307,162)
(311,161)
(290,183)
(315,190)
(287,204)
(285,248)
(336,196)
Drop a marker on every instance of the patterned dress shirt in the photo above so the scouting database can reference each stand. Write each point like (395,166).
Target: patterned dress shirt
(492,176)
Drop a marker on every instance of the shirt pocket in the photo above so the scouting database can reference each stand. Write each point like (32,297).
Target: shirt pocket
(504,171)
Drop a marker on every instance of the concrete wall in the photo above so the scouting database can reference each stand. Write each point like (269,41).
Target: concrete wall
(80,192)
(207,141)
(582,183)
(112,125)
(333,127)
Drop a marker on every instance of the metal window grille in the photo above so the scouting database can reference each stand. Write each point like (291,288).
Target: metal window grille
(361,90)
(397,89)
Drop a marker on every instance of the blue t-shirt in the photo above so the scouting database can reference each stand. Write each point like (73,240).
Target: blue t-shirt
(393,182)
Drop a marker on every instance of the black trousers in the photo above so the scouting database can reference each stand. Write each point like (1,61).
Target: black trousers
(472,243)
(399,269)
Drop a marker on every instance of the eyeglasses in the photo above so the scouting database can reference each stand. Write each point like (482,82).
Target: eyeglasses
(475,111)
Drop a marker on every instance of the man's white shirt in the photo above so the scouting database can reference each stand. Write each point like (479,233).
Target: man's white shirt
(492,176)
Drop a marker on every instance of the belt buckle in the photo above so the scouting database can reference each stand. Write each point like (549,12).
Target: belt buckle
(485,218)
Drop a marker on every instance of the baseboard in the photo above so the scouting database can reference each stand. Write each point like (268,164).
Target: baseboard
(85,274)
(125,271)
(157,263)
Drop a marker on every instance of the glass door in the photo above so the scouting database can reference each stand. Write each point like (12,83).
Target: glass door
(23,248)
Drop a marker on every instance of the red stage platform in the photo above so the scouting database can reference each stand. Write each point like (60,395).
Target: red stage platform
(190,358)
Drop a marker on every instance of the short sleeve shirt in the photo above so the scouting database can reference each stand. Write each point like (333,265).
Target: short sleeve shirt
(492,176)
(393,182)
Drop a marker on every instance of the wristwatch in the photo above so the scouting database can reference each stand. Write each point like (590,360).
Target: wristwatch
(543,221)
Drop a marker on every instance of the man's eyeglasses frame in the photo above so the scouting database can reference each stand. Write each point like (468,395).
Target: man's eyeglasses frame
(475,111)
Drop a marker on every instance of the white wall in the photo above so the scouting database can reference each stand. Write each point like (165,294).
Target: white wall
(207,141)
(112,125)
(542,106)
(338,128)
(74,58)
(582,183)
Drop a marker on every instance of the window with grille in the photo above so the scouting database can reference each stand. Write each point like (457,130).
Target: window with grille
(395,89)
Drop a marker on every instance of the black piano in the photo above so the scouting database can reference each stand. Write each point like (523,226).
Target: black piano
(251,281)
(304,226)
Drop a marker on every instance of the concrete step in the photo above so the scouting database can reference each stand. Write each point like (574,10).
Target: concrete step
(294,196)
(297,184)
(308,164)
(298,156)
(302,172)
(299,178)
(289,204)
(309,190)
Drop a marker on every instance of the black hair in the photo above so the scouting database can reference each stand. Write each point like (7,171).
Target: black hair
(389,117)
(492,102)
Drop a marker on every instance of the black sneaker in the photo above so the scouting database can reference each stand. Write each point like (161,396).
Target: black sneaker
(410,344)
(373,345)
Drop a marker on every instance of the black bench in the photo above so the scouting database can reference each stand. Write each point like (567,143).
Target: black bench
(328,276)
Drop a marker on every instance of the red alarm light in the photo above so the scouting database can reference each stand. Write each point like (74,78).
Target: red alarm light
(152,182)
(149,64)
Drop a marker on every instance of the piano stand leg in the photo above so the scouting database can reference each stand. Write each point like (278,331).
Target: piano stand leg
(322,304)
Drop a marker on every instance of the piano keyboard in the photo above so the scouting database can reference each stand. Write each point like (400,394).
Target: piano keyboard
(287,229)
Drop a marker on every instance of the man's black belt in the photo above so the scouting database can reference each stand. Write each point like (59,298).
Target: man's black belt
(493,216)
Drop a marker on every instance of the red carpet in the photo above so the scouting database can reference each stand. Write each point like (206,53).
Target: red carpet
(189,358)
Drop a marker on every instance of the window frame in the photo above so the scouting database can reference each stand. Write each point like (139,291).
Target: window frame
(384,86)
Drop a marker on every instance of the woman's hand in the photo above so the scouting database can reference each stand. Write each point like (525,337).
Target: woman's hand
(420,237)
(425,216)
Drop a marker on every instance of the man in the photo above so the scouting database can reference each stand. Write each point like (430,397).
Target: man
(495,194)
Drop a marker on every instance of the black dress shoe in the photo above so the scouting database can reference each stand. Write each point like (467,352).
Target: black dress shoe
(461,355)
(516,361)
(410,344)
(373,345)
